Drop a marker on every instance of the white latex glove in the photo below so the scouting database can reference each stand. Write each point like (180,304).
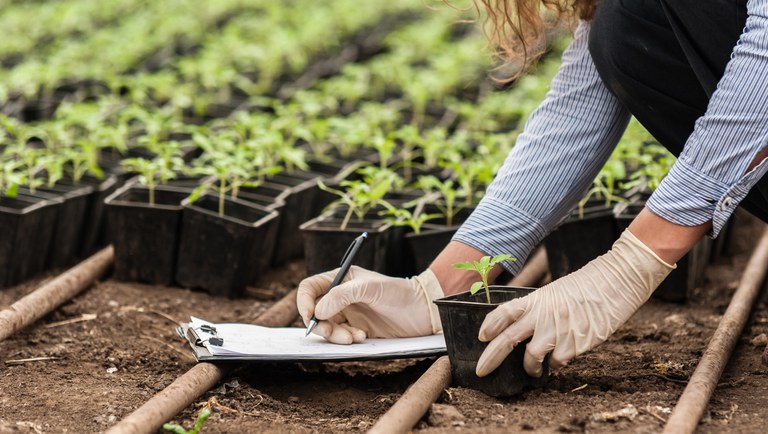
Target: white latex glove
(576,312)
(369,304)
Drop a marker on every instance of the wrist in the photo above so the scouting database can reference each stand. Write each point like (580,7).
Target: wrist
(667,240)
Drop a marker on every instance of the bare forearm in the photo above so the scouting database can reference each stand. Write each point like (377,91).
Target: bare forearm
(668,240)
(453,280)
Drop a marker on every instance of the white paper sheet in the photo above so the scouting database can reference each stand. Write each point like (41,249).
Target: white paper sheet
(252,342)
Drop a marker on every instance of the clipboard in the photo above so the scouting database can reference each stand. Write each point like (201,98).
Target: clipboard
(248,342)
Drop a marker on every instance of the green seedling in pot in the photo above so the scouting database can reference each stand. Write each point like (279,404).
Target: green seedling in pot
(158,170)
(82,159)
(204,414)
(483,266)
(229,166)
(404,217)
(362,196)
(448,196)
(10,178)
(605,185)
(31,163)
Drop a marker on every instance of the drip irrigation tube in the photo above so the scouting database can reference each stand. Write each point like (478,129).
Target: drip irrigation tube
(693,402)
(202,377)
(404,414)
(54,293)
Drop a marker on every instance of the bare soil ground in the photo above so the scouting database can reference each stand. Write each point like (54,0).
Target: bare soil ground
(119,348)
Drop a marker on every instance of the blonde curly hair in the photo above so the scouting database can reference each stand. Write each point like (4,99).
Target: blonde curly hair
(518,29)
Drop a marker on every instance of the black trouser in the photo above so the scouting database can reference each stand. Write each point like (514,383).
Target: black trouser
(663,60)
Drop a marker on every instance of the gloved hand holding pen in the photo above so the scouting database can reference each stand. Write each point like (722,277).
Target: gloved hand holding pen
(369,304)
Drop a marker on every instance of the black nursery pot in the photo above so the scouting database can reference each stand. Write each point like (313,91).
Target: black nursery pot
(95,227)
(301,204)
(422,248)
(145,237)
(580,239)
(461,316)
(325,244)
(27,225)
(67,234)
(223,254)
(44,237)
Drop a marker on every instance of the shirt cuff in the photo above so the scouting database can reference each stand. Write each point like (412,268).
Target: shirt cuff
(495,228)
(688,197)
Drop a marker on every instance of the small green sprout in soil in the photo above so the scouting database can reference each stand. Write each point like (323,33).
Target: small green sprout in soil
(204,414)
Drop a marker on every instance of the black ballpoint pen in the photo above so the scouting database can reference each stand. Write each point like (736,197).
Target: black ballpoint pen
(346,262)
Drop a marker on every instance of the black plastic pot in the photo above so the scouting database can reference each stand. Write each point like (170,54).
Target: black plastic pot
(325,244)
(273,204)
(301,204)
(422,248)
(27,226)
(335,169)
(45,238)
(690,269)
(190,182)
(461,316)
(145,238)
(278,192)
(223,254)
(95,226)
(580,238)
(67,234)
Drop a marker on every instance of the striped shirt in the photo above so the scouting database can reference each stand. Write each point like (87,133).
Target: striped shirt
(570,136)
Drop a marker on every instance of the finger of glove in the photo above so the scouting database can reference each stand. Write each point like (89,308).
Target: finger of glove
(358,335)
(309,290)
(502,317)
(563,353)
(535,352)
(342,296)
(345,334)
(500,347)
(336,333)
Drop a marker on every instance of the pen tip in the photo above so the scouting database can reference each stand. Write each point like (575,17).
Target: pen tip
(365,235)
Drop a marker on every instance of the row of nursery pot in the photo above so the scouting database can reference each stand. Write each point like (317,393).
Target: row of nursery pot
(51,227)
(591,230)
(212,242)
(409,211)
(392,248)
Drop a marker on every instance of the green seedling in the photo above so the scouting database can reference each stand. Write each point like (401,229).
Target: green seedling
(204,414)
(472,176)
(605,185)
(483,267)
(158,170)
(11,178)
(447,204)
(362,196)
(229,166)
(404,217)
(31,164)
(409,137)
(82,159)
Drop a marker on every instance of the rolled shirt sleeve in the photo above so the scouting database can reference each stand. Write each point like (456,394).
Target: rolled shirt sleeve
(710,178)
(565,143)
